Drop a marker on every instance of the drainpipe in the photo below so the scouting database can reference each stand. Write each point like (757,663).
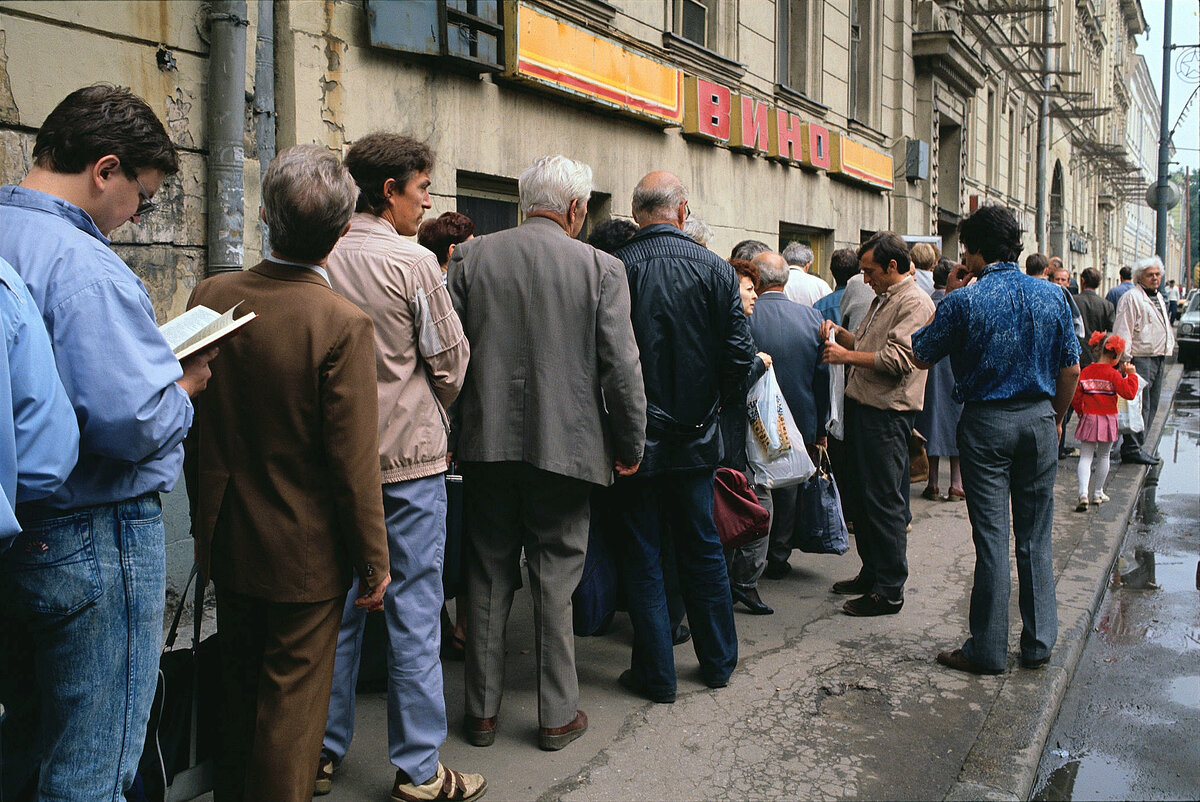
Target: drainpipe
(264,96)
(1043,147)
(226,123)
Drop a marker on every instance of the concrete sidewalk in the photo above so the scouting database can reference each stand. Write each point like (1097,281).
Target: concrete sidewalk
(821,706)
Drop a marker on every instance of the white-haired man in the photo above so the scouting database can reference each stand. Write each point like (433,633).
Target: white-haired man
(552,403)
(1142,321)
(802,286)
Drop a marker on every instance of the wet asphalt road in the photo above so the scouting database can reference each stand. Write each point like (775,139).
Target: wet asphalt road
(1129,725)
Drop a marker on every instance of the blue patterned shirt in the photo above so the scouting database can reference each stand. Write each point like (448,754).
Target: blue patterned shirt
(1007,335)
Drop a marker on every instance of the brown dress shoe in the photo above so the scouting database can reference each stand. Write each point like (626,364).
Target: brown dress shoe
(552,739)
(959,662)
(480,731)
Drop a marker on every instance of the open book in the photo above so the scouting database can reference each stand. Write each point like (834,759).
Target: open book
(200,327)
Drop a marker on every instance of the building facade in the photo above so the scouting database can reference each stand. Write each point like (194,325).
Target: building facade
(807,120)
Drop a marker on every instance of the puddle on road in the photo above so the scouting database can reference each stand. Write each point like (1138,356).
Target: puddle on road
(1185,691)
(1093,776)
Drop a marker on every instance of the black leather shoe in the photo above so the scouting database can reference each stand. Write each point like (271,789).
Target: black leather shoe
(752,600)
(959,662)
(1033,664)
(631,684)
(777,569)
(871,604)
(1139,457)
(852,587)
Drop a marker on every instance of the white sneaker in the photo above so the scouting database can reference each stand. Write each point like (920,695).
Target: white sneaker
(1099,498)
(1082,506)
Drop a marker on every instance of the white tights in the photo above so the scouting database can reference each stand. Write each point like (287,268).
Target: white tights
(1086,451)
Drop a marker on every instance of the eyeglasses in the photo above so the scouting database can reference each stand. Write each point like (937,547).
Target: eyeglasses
(145,205)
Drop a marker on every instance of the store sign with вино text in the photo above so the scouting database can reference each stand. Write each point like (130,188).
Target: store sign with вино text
(567,59)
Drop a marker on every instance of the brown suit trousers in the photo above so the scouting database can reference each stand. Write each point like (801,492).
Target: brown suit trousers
(277,663)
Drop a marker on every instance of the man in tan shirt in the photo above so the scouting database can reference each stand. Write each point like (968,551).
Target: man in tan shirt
(884,392)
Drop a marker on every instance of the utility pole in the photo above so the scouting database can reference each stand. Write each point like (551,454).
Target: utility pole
(1164,140)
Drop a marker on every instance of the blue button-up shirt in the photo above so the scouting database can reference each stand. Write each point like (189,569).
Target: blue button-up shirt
(1007,335)
(39,439)
(116,367)
(830,306)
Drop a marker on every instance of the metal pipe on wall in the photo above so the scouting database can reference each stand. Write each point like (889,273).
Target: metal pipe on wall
(226,135)
(264,95)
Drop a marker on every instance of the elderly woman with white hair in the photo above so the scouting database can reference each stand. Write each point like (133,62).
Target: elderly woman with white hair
(1143,323)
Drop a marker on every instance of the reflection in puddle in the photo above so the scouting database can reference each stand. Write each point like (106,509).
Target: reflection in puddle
(1185,691)
(1093,776)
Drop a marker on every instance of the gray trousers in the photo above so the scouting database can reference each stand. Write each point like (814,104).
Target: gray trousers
(1150,370)
(510,505)
(747,563)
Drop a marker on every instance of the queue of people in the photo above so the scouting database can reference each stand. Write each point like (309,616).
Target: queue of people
(314,444)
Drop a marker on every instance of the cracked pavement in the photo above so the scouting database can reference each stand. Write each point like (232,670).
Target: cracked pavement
(821,706)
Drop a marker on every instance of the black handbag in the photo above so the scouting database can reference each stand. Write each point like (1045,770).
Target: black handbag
(183,732)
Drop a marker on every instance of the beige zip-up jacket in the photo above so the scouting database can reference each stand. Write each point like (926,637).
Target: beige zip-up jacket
(1142,321)
(421,353)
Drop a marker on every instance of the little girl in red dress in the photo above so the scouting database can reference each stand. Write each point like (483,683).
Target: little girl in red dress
(1095,403)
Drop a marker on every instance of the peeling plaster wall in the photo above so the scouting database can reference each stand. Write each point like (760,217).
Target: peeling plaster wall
(49,49)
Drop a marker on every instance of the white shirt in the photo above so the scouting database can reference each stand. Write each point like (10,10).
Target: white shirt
(805,288)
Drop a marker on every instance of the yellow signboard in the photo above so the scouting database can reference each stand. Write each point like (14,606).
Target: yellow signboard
(859,163)
(550,53)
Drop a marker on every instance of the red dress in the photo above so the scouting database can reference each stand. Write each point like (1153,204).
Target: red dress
(1095,401)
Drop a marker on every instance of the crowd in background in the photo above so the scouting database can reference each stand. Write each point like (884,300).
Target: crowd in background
(315,443)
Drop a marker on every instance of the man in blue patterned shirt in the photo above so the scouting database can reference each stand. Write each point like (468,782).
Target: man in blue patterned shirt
(1012,345)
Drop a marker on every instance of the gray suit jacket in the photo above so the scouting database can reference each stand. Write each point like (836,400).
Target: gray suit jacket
(554,378)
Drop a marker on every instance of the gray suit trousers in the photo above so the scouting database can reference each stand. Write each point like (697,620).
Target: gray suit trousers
(509,505)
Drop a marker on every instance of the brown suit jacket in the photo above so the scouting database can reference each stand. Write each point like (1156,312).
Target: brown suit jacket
(281,463)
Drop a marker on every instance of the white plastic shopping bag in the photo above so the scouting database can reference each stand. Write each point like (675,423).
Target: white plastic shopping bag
(1129,413)
(774,448)
(836,425)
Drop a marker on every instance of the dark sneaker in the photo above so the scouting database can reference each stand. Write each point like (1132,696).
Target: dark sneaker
(872,604)
(852,587)
(446,784)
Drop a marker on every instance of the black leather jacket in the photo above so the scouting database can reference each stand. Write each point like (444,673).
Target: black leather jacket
(695,344)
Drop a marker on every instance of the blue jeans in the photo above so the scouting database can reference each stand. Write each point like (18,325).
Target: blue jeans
(81,614)
(685,499)
(415,513)
(1009,452)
